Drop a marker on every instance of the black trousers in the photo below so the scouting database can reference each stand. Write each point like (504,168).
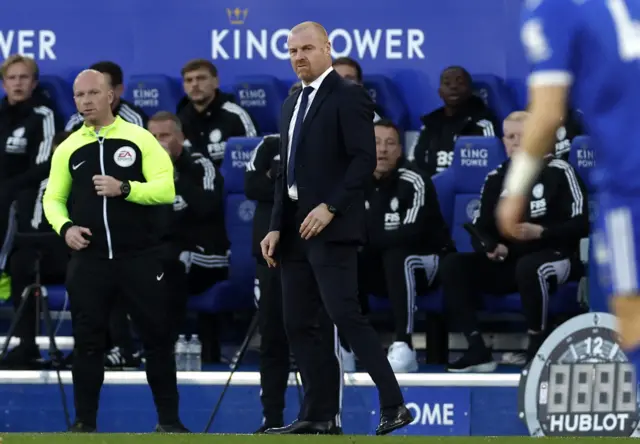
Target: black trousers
(274,346)
(320,293)
(399,275)
(535,276)
(22,263)
(93,284)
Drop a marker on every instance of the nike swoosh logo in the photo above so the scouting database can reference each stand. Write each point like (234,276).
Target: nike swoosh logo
(159,276)
(75,167)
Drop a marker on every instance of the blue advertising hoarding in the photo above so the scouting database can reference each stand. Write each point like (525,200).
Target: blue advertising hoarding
(411,43)
(477,405)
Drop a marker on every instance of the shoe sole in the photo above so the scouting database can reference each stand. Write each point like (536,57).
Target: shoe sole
(487,367)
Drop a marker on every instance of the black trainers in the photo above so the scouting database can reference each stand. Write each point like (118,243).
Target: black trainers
(474,362)
(81,427)
(178,427)
(117,359)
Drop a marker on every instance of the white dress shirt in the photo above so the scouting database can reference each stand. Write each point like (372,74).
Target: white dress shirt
(293,190)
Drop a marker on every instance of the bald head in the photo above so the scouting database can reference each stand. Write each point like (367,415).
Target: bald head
(93,96)
(309,50)
(312,27)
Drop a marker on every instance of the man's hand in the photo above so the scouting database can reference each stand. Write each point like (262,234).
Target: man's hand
(509,214)
(75,239)
(527,231)
(107,186)
(315,221)
(499,254)
(268,247)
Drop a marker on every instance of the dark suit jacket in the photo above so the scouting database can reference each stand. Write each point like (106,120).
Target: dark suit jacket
(334,161)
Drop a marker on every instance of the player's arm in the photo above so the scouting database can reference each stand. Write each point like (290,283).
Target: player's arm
(548,48)
(55,197)
(157,169)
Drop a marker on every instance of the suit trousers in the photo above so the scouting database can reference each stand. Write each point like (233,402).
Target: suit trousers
(320,293)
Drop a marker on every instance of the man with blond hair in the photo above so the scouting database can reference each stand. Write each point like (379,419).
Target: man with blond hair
(544,255)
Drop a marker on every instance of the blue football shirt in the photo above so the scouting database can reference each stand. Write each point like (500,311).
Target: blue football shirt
(593,46)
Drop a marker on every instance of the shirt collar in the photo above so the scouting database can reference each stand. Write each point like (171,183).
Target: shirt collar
(317,82)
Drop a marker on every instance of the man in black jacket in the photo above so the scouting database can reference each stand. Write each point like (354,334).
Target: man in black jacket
(126,110)
(30,219)
(545,255)
(210,117)
(406,233)
(463,114)
(28,124)
(197,247)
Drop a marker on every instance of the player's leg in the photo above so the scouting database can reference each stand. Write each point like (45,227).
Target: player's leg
(619,267)
(145,288)
(91,285)
(465,276)
(538,276)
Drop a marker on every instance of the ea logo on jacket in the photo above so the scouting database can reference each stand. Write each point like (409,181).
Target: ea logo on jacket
(125,156)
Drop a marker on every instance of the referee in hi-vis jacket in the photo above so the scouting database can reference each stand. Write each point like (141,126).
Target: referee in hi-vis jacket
(116,174)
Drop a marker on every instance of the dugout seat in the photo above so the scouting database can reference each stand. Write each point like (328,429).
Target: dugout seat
(60,93)
(473,159)
(153,93)
(57,297)
(385,94)
(236,293)
(496,94)
(582,157)
(261,96)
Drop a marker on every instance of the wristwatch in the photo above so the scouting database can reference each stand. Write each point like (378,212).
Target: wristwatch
(125,188)
(332,209)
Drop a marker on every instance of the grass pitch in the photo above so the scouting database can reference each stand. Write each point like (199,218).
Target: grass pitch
(122,438)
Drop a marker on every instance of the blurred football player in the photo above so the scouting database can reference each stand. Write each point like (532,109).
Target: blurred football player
(588,51)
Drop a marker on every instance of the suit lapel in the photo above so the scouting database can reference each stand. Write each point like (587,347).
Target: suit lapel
(325,88)
(285,118)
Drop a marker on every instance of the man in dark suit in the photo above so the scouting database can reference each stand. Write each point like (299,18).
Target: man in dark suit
(328,155)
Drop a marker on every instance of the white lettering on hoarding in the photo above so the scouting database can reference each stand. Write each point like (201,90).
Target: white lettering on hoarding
(432,414)
(389,44)
(37,44)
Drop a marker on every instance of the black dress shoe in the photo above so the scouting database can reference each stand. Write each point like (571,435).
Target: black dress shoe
(298,427)
(176,427)
(394,420)
(263,428)
(81,427)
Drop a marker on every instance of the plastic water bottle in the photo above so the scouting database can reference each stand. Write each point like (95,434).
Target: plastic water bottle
(195,355)
(181,351)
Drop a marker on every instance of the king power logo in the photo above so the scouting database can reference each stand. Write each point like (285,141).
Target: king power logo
(240,42)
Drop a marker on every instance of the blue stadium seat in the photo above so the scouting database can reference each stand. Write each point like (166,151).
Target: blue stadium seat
(57,295)
(473,159)
(60,92)
(582,157)
(262,97)
(153,93)
(495,93)
(384,92)
(236,293)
